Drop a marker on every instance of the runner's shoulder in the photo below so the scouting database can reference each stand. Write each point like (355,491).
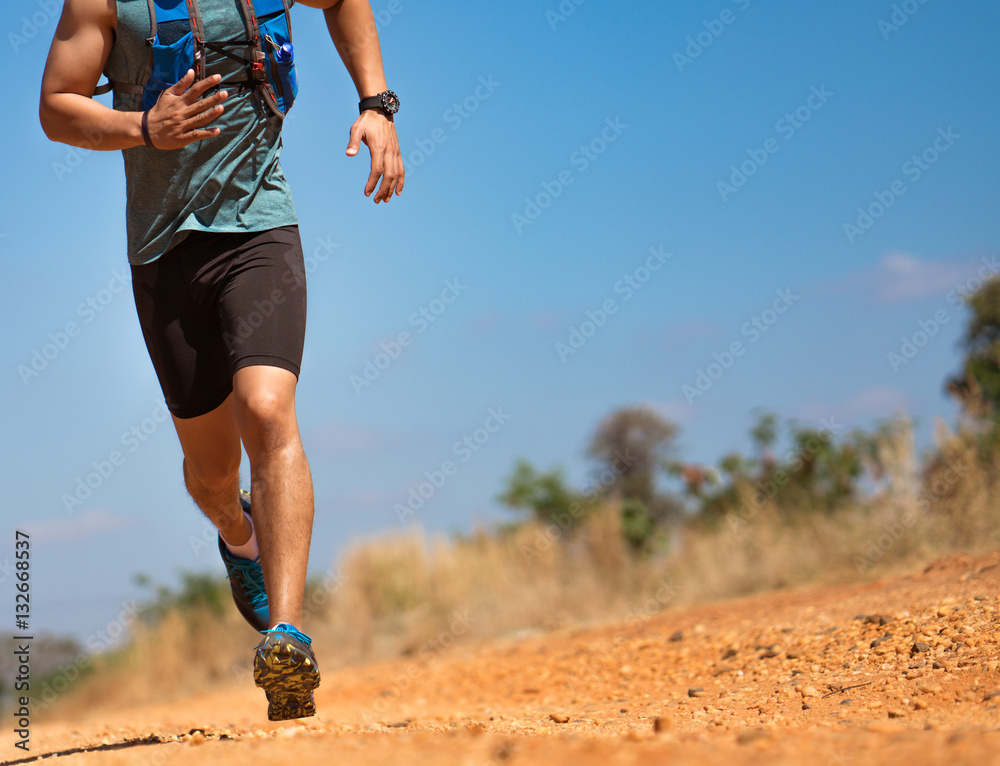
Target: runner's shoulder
(103,13)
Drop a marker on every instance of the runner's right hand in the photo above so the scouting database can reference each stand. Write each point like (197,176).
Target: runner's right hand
(180,114)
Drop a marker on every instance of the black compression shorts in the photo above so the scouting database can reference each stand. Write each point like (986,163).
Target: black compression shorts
(216,303)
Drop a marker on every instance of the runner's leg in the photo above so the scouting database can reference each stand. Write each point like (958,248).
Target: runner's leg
(211,445)
(280,483)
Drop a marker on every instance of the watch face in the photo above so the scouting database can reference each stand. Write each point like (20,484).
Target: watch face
(390,102)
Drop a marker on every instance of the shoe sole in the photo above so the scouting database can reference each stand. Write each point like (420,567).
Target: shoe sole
(288,678)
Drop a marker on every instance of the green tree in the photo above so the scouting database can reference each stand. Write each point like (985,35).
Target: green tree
(545,495)
(632,446)
(977,385)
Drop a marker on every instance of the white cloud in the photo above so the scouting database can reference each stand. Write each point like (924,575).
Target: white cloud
(675,410)
(876,403)
(90,522)
(903,277)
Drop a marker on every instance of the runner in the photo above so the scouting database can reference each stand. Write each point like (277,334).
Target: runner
(217,264)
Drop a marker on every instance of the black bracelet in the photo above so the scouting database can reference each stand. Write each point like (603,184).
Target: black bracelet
(145,130)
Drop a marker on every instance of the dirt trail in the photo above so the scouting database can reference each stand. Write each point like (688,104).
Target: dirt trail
(789,677)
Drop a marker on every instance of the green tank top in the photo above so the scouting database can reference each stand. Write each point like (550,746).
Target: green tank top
(230,183)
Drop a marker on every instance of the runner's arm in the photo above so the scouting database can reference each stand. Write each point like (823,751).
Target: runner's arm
(353,31)
(69,114)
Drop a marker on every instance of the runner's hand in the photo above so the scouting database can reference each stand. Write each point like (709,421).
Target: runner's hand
(379,134)
(180,114)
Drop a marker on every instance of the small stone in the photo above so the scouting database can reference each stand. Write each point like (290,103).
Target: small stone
(992,695)
(662,724)
(919,704)
(559,717)
(919,646)
(398,724)
(808,691)
(730,653)
(697,692)
(896,713)
(943,611)
(197,739)
(806,706)
(676,636)
(877,619)
(939,665)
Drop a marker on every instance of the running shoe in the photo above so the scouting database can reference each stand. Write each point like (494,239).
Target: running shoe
(284,666)
(246,579)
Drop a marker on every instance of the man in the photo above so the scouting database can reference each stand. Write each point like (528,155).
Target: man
(218,271)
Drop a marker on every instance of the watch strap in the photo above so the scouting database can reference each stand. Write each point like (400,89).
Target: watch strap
(372,102)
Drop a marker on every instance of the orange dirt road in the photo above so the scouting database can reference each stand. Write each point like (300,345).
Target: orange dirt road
(786,678)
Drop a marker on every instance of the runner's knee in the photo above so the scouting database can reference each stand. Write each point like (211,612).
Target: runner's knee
(268,419)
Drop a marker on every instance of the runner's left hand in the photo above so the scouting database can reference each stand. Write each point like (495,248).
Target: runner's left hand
(379,133)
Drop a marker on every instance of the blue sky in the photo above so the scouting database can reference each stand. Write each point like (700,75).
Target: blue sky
(556,154)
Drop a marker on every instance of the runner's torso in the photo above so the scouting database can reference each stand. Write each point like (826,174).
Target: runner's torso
(230,183)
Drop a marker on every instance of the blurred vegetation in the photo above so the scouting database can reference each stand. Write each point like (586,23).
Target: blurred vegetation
(647,531)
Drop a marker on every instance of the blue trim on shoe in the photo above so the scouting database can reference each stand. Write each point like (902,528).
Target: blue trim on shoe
(251,577)
(291,630)
(246,580)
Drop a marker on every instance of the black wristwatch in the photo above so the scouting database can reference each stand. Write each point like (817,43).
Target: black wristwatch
(386,100)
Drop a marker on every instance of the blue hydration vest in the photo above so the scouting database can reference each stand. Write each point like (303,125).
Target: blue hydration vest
(177,43)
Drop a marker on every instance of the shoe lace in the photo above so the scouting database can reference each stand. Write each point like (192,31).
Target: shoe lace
(251,577)
(291,630)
